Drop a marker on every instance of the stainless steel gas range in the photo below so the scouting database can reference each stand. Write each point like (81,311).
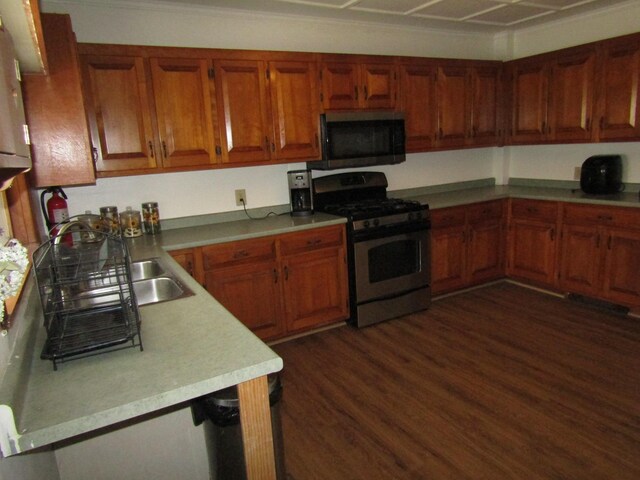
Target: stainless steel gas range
(389,245)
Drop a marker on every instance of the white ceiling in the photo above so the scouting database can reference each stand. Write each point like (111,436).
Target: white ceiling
(466,15)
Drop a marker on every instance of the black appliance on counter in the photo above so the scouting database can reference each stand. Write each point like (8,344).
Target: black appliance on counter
(601,175)
(301,199)
(360,139)
(388,245)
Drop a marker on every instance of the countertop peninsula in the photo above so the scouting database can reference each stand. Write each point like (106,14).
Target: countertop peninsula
(192,347)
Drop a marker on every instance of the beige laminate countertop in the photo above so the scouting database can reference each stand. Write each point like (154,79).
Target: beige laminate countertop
(192,347)
(481,194)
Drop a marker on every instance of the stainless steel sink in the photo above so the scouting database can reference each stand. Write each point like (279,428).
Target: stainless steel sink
(153,282)
(160,289)
(145,269)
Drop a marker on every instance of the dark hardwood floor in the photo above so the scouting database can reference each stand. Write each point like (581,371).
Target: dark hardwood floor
(501,382)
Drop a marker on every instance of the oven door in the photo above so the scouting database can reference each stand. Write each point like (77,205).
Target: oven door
(391,262)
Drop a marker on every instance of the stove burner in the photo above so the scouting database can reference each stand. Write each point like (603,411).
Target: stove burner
(373,208)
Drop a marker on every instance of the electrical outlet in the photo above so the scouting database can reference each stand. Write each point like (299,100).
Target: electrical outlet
(577,172)
(241,198)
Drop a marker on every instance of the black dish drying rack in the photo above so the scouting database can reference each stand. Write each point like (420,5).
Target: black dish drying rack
(87,297)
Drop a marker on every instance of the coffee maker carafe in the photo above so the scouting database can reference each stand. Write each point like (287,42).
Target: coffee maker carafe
(300,192)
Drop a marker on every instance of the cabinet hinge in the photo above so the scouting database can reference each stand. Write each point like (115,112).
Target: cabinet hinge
(16,64)
(212,73)
(25,132)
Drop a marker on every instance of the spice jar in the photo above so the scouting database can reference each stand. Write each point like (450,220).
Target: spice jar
(110,220)
(130,223)
(151,216)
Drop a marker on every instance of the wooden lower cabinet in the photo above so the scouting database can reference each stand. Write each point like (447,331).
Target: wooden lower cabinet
(600,254)
(467,245)
(283,284)
(190,261)
(533,247)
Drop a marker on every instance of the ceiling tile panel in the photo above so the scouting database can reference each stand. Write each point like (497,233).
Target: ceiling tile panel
(510,14)
(390,6)
(556,4)
(457,9)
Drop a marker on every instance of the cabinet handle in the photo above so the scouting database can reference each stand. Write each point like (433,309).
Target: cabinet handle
(241,254)
(275,275)
(266,142)
(94,154)
(544,127)
(366,92)
(315,241)
(164,149)
(150,149)
(273,147)
(355,90)
(286,273)
(552,234)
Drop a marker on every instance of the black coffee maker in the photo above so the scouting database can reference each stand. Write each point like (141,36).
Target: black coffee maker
(300,192)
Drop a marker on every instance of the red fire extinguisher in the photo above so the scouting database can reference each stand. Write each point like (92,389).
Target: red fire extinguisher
(56,210)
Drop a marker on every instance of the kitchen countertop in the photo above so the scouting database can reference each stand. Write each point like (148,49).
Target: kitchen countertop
(192,347)
(480,194)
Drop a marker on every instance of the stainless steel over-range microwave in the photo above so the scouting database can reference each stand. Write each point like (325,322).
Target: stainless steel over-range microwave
(360,139)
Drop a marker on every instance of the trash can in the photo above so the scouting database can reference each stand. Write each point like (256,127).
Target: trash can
(220,413)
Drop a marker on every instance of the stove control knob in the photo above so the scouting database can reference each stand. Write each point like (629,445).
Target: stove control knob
(376,222)
(366,224)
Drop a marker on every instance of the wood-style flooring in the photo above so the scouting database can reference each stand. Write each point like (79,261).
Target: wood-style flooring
(501,382)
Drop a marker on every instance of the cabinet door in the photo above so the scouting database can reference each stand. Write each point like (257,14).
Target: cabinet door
(571,94)
(619,106)
(190,259)
(485,242)
(315,288)
(296,109)
(580,259)
(251,292)
(529,102)
(183,107)
(340,86)
(243,110)
(621,273)
(486,251)
(378,86)
(119,113)
(485,118)
(12,135)
(452,106)
(532,250)
(418,102)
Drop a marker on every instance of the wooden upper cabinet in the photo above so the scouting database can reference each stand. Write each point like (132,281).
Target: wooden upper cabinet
(529,85)
(119,113)
(184,111)
(244,111)
(571,91)
(55,111)
(619,80)
(295,107)
(453,106)
(418,102)
(485,105)
(354,85)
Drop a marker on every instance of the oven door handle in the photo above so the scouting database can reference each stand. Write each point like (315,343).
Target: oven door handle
(390,230)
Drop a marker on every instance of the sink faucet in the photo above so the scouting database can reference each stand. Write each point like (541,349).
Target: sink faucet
(91,235)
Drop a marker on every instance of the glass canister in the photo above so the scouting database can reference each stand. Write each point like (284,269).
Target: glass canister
(110,220)
(94,222)
(130,223)
(151,216)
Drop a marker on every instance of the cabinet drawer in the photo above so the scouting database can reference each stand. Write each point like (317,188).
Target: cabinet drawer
(447,217)
(613,216)
(484,211)
(238,252)
(311,239)
(535,209)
